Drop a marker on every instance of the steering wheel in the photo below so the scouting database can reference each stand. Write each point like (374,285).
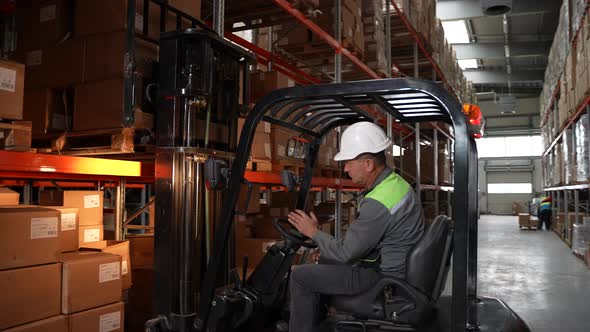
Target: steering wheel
(291,233)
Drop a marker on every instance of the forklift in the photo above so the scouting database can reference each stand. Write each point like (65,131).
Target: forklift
(198,182)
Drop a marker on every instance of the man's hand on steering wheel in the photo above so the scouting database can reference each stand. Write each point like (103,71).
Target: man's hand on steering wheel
(306,224)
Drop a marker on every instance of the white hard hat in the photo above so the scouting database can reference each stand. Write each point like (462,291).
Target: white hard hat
(362,137)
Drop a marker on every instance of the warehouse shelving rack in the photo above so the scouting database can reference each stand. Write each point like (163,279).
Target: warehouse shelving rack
(301,77)
(569,197)
(70,179)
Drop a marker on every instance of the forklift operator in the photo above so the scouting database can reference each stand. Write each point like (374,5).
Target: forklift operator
(390,222)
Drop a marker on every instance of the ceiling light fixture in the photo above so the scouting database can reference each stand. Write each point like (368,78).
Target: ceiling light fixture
(468,64)
(456,32)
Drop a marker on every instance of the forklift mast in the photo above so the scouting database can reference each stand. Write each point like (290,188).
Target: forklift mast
(199,90)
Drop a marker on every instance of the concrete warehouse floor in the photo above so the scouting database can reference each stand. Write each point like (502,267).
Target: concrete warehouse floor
(535,273)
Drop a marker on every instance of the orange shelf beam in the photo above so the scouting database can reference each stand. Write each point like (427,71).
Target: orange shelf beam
(273,178)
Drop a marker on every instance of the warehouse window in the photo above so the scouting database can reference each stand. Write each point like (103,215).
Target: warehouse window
(510,188)
(511,146)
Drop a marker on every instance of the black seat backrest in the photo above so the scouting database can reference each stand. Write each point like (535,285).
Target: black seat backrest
(428,262)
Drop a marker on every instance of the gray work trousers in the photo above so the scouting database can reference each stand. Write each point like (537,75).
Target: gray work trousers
(309,281)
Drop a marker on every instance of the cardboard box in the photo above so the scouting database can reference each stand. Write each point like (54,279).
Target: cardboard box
(89,280)
(15,136)
(8,197)
(100,16)
(141,250)
(120,248)
(106,318)
(191,7)
(43,23)
(49,110)
(89,203)
(262,83)
(523,219)
(12,83)
(29,294)
(90,233)
(105,56)
(56,67)
(52,324)
(28,236)
(68,230)
(104,98)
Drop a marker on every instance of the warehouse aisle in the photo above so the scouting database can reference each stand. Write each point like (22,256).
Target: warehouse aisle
(535,273)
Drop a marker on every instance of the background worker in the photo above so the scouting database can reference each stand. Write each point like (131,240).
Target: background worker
(545,213)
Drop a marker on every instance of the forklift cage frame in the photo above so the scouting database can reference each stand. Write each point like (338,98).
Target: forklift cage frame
(315,110)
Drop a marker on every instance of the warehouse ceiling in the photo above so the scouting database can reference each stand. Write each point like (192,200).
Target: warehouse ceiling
(511,50)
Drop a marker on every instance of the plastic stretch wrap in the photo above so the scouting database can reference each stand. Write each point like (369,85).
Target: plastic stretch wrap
(578,8)
(558,170)
(568,158)
(582,150)
(557,54)
(580,238)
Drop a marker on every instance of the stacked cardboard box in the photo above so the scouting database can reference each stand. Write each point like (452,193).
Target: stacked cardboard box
(525,220)
(328,149)
(90,206)
(12,78)
(373,28)
(352,24)
(80,291)
(261,145)
(75,56)
(8,197)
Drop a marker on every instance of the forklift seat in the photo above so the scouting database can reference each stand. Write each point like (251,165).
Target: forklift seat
(404,303)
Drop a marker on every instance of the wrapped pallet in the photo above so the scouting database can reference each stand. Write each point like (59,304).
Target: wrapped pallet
(558,173)
(557,56)
(374,30)
(582,154)
(580,238)
(568,157)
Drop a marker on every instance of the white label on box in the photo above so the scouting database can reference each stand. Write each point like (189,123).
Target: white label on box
(267,150)
(138,22)
(267,127)
(7,79)
(110,322)
(91,201)
(68,221)
(47,13)
(109,272)
(42,228)
(34,58)
(281,150)
(92,235)
(124,269)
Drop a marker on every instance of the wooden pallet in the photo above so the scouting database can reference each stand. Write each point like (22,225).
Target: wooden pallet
(15,135)
(92,142)
(527,228)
